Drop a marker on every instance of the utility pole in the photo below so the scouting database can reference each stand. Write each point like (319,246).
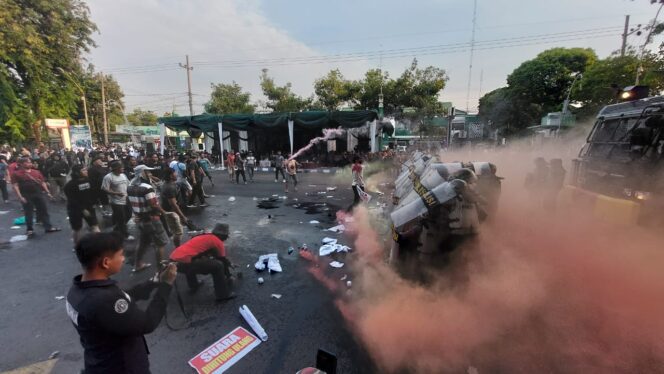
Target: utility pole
(624,37)
(103,108)
(472,51)
(189,69)
(450,118)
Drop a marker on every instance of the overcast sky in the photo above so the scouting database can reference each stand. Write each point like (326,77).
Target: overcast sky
(141,42)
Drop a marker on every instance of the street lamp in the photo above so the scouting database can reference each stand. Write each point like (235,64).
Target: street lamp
(85,105)
(569,92)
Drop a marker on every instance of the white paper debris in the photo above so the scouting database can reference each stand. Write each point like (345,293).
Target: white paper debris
(276,296)
(331,248)
(314,222)
(329,197)
(2,212)
(18,238)
(251,320)
(255,198)
(331,188)
(270,261)
(284,197)
(337,229)
(275,195)
(344,277)
(327,249)
(59,297)
(15,227)
(327,240)
(337,264)
(232,198)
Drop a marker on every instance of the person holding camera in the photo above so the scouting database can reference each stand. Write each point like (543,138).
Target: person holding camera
(206,254)
(107,319)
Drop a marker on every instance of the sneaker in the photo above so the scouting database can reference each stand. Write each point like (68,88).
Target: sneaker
(204,205)
(245,182)
(284,181)
(191,206)
(130,238)
(276,180)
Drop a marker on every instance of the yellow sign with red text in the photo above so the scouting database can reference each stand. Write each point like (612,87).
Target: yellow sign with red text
(225,352)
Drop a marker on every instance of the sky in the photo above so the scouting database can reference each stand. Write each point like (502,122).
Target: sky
(142,42)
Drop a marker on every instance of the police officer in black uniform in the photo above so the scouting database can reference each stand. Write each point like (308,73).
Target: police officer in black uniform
(109,323)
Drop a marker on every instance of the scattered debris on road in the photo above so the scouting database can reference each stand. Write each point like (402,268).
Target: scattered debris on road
(18,238)
(271,261)
(251,320)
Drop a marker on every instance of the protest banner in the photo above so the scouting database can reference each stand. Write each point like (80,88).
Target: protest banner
(225,352)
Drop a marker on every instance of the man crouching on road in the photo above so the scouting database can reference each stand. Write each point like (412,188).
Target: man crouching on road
(109,323)
(205,254)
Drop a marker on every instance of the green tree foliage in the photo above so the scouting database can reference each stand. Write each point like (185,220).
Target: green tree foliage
(507,112)
(536,87)
(282,98)
(90,82)
(333,90)
(546,79)
(140,117)
(415,88)
(38,40)
(599,84)
(228,99)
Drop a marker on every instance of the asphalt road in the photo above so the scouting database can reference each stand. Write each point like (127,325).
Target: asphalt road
(33,323)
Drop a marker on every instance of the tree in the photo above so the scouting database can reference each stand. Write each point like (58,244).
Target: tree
(281,98)
(39,40)
(333,90)
(599,84)
(414,88)
(546,79)
(140,117)
(90,80)
(228,99)
(508,112)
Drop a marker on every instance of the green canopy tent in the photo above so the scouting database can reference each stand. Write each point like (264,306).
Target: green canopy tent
(314,120)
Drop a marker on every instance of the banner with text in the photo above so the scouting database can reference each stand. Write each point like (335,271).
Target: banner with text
(225,352)
(80,137)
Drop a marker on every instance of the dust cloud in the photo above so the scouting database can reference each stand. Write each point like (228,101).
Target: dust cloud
(538,291)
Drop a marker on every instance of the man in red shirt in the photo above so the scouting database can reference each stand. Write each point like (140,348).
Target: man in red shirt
(30,186)
(205,254)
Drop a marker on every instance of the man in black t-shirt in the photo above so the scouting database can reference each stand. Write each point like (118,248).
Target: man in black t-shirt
(196,175)
(169,202)
(80,202)
(96,174)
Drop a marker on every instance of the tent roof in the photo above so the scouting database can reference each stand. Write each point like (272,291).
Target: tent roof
(243,122)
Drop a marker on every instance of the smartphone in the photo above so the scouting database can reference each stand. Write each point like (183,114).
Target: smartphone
(326,361)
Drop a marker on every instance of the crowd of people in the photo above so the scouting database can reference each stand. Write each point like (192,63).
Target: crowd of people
(104,189)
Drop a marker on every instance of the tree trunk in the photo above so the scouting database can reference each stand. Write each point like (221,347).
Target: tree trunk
(36,130)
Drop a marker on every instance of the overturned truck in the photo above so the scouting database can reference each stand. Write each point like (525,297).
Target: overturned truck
(436,207)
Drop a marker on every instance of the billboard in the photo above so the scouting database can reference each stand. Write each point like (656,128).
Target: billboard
(80,137)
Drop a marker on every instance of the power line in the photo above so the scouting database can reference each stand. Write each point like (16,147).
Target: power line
(407,53)
(140,69)
(401,51)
